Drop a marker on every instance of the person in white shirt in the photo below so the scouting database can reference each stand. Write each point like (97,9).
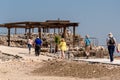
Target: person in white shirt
(30,43)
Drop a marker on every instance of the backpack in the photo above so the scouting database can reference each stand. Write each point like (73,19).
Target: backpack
(111,41)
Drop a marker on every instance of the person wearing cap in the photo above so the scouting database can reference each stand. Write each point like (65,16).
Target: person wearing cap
(111,43)
(87,46)
(37,43)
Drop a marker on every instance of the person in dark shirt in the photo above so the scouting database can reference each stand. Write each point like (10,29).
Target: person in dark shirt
(38,43)
(111,44)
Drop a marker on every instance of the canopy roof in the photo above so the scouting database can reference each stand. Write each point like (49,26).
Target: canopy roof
(63,24)
(46,24)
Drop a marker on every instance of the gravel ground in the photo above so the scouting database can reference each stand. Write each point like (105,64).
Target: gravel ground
(78,69)
(15,68)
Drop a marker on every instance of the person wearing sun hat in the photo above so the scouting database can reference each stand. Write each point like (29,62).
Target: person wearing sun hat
(111,43)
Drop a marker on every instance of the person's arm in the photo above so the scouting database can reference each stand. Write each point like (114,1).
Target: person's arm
(115,42)
(107,41)
(33,43)
(41,42)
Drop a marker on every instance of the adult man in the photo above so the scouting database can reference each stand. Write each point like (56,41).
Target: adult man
(111,43)
(38,43)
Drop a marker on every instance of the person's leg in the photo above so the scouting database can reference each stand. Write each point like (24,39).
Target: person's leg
(62,54)
(112,52)
(87,51)
(50,48)
(29,47)
(110,49)
(35,50)
(39,49)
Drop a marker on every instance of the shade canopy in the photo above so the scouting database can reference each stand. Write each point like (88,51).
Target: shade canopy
(48,24)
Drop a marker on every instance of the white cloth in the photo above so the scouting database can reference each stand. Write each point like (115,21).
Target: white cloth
(30,41)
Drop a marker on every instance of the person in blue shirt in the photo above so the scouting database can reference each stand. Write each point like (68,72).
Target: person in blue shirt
(87,46)
(38,43)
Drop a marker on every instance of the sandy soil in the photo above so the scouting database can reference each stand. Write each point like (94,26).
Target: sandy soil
(44,68)
(57,70)
(23,70)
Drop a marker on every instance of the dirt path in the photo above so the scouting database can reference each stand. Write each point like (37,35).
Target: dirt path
(21,70)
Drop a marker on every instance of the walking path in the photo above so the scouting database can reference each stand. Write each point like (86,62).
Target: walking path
(100,60)
(24,53)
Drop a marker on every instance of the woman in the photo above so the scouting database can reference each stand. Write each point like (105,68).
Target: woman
(30,43)
(87,46)
(63,48)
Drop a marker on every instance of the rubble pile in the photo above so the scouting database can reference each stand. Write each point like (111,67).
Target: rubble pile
(20,40)
(6,57)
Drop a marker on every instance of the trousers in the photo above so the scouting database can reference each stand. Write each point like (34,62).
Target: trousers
(111,50)
(37,50)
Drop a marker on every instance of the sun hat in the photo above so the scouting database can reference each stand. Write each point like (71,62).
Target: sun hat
(110,34)
(87,36)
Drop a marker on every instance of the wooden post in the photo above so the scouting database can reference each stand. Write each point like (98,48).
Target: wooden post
(39,32)
(15,30)
(47,29)
(43,30)
(54,31)
(32,30)
(73,36)
(8,36)
(25,30)
(29,32)
(58,30)
(64,33)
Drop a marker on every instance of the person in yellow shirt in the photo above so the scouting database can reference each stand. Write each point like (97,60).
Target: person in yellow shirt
(63,48)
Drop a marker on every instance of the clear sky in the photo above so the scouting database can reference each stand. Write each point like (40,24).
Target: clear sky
(96,17)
